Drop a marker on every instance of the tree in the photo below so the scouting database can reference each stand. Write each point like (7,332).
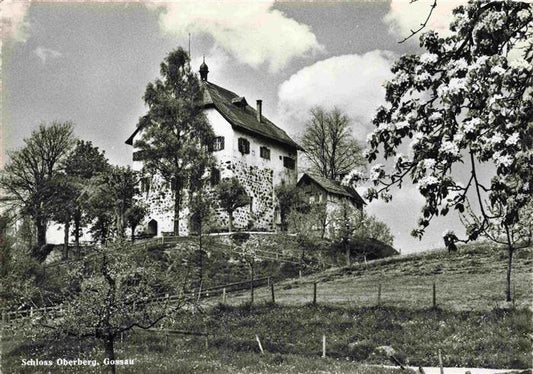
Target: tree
(176,134)
(134,216)
(111,195)
(231,195)
(82,165)
(329,144)
(201,214)
(468,99)
(290,199)
(118,289)
(27,178)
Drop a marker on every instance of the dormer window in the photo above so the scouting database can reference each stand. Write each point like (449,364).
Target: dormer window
(239,102)
(217,144)
(244,146)
(264,152)
(289,162)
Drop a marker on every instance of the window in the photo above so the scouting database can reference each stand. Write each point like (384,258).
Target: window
(264,152)
(289,163)
(218,144)
(244,146)
(215,177)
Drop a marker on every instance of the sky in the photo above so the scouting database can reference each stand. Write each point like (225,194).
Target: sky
(90,62)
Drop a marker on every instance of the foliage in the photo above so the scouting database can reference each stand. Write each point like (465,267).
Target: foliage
(290,199)
(111,195)
(232,195)
(350,226)
(134,216)
(468,99)
(82,165)
(175,133)
(27,179)
(329,144)
(113,292)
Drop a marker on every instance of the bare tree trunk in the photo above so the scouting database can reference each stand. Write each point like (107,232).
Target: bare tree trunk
(510,250)
(252,282)
(110,352)
(77,229)
(66,239)
(133,227)
(40,225)
(177,213)
(230,221)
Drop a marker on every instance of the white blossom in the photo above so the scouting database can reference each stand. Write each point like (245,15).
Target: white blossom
(435,116)
(449,148)
(496,138)
(428,58)
(497,70)
(513,139)
(376,171)
(428,180)
(429,163)
(505,160)
(402,124)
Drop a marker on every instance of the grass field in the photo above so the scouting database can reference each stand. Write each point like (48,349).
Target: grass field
(473,279)
(471,325)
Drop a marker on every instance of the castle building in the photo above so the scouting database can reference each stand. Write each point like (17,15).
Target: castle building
(247,146)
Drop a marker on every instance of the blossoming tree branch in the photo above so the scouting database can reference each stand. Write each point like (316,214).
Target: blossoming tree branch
(467,100)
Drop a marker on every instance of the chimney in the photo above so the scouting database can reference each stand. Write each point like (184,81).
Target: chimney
(259,110)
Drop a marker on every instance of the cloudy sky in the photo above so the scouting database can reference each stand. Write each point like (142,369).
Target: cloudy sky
(90,63)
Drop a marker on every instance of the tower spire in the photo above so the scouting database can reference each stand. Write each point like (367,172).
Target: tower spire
(204,70)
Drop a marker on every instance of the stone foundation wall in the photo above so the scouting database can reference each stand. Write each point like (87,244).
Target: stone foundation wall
(258,183)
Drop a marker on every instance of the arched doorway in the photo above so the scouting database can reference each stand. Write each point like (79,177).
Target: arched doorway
(152,228)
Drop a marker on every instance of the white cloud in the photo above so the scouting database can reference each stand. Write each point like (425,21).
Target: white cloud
(46,53)
(13,19)
(406,15)
(353,83)
(249,30)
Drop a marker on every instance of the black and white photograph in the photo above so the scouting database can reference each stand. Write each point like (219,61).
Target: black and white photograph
(263,186)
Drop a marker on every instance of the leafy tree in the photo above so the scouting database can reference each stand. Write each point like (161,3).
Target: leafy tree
(176,133)
(65,203)
(231,195)
(27,178)
(467,100)
(111,196)
(134,216)
(83,164)
(117,290)
(290,199)
(201,213)
(329,144)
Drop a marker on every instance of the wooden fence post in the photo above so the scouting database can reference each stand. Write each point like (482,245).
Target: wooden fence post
(224,295)
(440,363)
(31,312)
(272,292)
(323,346)
(314,293)
(379,294)
(434,295)
(259,343)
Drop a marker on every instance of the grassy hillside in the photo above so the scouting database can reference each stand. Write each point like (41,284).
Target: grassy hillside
(472,279)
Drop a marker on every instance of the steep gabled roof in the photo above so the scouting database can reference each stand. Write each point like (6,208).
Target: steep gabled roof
(239,114)
(243,117)
(332,187)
